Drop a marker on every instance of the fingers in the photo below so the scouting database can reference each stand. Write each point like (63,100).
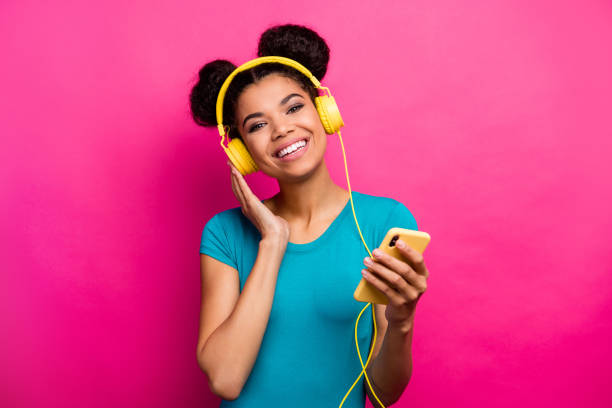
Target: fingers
(395,278)
(236,188)
(399,267)
(244,187)
(247,193)
(247,198)
(373,277)
(414,258)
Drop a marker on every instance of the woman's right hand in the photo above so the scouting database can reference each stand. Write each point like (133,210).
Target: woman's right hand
(268,224)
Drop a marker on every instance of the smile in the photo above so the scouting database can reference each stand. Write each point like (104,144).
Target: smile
(294,151)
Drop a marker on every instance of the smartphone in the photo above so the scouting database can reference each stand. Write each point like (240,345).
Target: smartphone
(417,240)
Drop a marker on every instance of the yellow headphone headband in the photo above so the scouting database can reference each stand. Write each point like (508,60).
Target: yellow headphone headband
(325,104)
(250,64)
(332,122)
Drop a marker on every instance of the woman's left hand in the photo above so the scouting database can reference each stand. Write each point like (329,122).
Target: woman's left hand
(402,282)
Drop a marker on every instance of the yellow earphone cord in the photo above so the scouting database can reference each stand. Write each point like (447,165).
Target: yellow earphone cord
(332,121)
(363,371)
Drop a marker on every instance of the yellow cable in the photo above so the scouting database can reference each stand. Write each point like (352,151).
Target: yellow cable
(348,183)
(363,371)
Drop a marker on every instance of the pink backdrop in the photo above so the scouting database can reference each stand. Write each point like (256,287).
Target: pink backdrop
(498,116)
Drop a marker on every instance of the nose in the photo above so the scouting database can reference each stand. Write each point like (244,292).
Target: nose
(282,128)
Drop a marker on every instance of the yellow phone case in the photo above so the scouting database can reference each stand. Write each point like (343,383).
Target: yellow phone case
(417,240)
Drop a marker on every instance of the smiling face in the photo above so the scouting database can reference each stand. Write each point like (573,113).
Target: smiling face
(274,113)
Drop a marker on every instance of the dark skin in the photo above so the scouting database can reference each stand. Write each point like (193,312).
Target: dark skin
(403,282)
(307,201)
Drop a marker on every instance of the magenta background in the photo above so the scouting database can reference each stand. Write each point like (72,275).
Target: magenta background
(497,114)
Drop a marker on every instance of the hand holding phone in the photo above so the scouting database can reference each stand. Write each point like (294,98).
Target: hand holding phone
(417,240)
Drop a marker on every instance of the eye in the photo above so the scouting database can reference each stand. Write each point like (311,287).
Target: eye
(254,127)
(295,108)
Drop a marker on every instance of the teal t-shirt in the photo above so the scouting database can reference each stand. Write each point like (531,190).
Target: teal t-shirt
(308,356)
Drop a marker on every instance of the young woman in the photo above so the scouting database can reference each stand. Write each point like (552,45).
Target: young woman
(277,313)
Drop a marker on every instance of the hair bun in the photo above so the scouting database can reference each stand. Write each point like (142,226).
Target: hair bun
(297,42)
(203,96)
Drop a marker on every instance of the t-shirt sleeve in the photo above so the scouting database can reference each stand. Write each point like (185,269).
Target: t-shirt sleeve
(214,242)
(400,217)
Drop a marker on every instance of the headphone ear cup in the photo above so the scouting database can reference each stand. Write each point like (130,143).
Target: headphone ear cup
(329,113)
(240,157)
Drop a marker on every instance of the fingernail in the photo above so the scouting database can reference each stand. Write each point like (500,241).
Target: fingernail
(377,252)
(400,244)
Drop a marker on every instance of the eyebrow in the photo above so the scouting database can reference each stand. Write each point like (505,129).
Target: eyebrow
(282,102)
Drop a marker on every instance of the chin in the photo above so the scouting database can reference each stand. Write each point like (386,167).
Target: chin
(300,173)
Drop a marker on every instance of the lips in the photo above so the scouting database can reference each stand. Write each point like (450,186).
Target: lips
(289,144)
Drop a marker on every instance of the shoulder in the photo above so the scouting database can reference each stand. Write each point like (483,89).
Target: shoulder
(230,237)
(227,221)
(226,216)
(386,209)
(380,202)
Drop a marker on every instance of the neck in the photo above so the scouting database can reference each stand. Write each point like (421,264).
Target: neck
(311,199)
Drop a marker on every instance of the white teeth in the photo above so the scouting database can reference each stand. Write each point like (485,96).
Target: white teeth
(291,148)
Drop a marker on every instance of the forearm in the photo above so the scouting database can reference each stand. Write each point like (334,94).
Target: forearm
(231,350)
(391,370)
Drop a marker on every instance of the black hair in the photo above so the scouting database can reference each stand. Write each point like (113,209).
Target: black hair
(297,42)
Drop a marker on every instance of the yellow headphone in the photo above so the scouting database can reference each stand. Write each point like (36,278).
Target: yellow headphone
(326,107)
(332,122)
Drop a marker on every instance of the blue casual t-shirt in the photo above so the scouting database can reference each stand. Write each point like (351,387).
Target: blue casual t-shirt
(308,356)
